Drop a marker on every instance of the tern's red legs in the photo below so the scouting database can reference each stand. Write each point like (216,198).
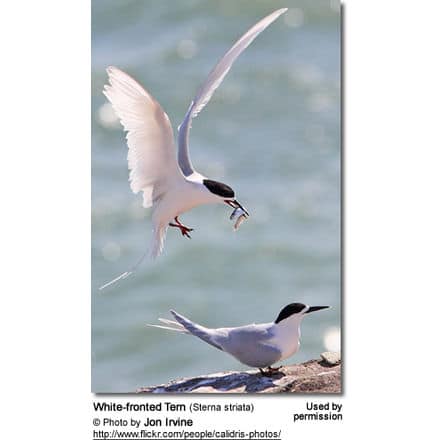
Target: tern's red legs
(183,229)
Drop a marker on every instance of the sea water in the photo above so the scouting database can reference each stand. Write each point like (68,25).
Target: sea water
(271,131)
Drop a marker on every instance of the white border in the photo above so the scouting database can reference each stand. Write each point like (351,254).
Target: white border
(392,220)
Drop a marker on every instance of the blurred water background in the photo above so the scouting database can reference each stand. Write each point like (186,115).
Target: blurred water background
(271,131)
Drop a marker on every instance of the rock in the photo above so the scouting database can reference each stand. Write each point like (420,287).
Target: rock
(315,376)
(331,357)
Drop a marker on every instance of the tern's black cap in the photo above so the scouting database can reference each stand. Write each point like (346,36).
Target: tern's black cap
(289,310)
(219,189)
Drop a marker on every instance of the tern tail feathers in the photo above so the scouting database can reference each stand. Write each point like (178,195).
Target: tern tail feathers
(155,248)
(157,241)
(170,325)
(127,273)
(205,334)
(174,329)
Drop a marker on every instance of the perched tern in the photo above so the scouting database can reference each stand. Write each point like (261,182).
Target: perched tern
(170,186)
(256,345)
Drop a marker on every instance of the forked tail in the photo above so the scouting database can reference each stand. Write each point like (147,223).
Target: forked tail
(154,249)
(157,241)
(170,325)
(204,333)
(184,325)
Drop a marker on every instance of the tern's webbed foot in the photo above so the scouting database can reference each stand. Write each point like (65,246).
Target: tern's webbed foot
(183,229)
(270,371)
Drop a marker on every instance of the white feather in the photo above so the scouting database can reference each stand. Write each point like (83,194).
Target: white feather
(212,82)
(151,151)
(157,241)
(170,325)
(168,328)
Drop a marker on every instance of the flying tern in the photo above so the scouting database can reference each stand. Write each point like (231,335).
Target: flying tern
(170,185)
(256,345)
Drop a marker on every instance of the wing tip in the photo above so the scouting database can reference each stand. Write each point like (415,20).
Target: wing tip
(111,70)
(275,14)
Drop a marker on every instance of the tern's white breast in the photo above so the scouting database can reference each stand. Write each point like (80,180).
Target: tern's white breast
(286,337)
(180,198)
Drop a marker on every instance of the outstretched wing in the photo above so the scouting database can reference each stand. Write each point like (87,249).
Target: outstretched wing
(151,152)
(212,82)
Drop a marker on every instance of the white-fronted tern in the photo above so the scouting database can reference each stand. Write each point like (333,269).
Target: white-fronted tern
(256,345)
(170,185)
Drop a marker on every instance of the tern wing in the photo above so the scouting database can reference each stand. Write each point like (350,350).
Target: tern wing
(205,334)
(212,82)
(151,150)
(251,345)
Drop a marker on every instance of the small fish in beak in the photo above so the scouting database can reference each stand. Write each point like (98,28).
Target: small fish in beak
(236,204)
(240,215)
